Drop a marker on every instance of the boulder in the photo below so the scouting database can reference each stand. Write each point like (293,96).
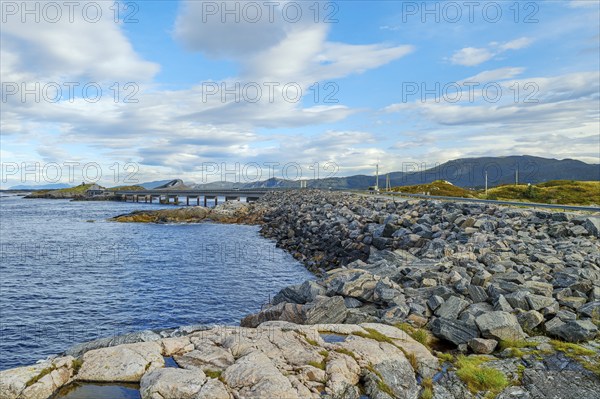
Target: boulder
(572,330)
(592,225)
(590,309)
(207,356)
(537,302)
(176,345)
(499,326)
(213,389)
(172,383)
(530,319)
(451,308)
(322,310)
(17,383)
(255,376)
(482,346)
(477,293)
(456,331)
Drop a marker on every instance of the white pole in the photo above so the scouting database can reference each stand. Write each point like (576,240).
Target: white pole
(486,183)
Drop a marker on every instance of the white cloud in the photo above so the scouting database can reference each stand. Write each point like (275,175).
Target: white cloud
(472,56)
(57,51)
(564,121)
(516,44)
(495,75)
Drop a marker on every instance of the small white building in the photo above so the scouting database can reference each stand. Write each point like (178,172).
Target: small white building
(94,190)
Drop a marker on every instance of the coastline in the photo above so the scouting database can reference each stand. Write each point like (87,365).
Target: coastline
(419,273)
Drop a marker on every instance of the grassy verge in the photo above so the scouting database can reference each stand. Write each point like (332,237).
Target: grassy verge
(477,377)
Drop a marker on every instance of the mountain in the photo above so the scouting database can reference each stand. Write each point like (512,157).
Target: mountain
(464,172)
(470,172)
(41,187)
(156,184)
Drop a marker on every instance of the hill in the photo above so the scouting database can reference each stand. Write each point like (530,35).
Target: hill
(438,187)
(465,172)
(70,192)
(564,192)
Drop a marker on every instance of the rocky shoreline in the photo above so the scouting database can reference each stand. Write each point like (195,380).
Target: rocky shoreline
(415,299)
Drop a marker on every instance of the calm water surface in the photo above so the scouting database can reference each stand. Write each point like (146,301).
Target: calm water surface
(65,279)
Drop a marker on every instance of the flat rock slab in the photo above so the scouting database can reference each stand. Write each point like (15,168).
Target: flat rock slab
(171,383)
(123,363)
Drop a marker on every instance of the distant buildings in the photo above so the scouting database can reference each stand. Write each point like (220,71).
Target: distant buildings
(94,190)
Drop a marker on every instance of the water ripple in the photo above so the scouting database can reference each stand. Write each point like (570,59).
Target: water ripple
(65,280)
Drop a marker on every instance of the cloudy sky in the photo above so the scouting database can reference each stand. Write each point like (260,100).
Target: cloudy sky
(168,89)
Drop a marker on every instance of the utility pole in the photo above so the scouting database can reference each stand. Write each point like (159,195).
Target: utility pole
(486,183)
(388,186)
(377,177)
(517,176)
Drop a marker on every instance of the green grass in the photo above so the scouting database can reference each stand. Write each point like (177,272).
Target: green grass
(427,392)
(479,378)
(520,371)
(412,359)
(346,352)
(561,192)
(516,352)
(80,189)
(374,335)
(38,377)
(418,334)
(311,341)
(447,357)
(570,349)
(324,353)
(319,365)
(438,187)
(578,353)
(77,363)
(213,373)
(551,192)
(381,385)
(422,337)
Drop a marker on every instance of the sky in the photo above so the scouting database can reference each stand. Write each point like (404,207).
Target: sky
(134,91)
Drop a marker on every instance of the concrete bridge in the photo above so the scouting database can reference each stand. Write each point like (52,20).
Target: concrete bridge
(167,196)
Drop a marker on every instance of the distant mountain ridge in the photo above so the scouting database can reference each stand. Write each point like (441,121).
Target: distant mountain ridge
(465,172)
(55,186)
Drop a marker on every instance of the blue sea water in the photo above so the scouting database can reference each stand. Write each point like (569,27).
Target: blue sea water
(67,275)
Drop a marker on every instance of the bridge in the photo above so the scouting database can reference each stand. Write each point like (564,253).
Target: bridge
(174,196)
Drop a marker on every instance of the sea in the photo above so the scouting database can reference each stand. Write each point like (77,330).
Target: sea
(69,275)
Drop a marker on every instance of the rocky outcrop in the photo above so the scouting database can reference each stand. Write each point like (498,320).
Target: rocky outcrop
(464,271)
(228,212)
(476,277)
(123,363)
(274,360)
